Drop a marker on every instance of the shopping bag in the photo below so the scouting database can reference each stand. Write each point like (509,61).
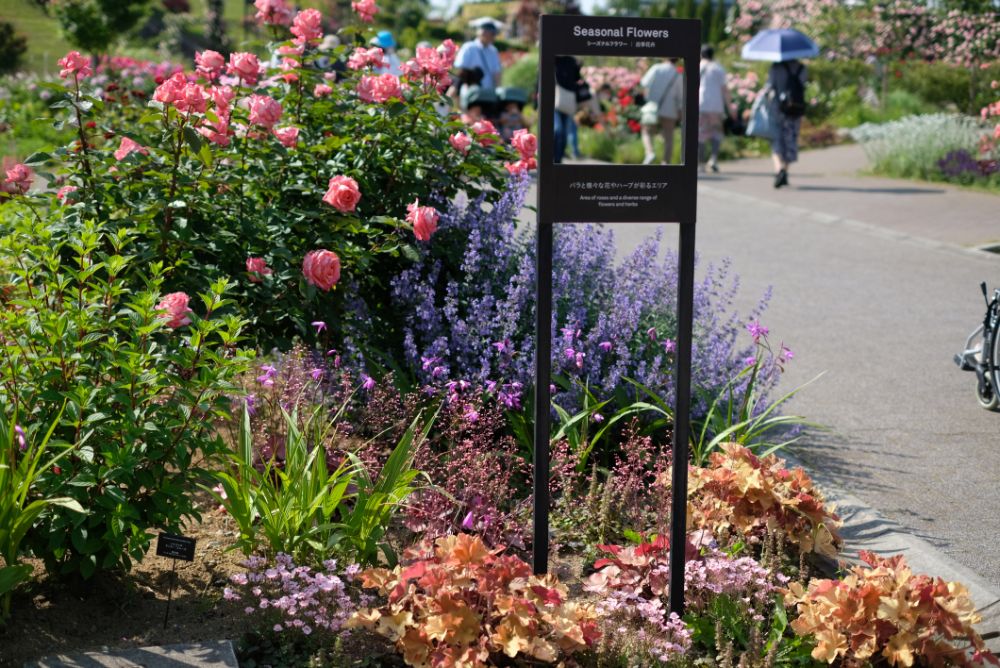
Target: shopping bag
(565,100)
(762,121)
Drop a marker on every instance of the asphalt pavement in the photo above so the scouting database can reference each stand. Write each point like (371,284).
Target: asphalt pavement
(876,286)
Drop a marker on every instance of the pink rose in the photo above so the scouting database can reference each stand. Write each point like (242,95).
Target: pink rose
(485,132)
(343,194)
(423,218)
(74,64)
(521,166)
(245,66)
(460,141)
(379,88)
(19,178)
(170,90)
(264,111)
(210,63)
(525,143)
(288,136)
(362,58)
(174,308)
(64,192)
(322,90)
(365,9)
(192,97)
(321,268)
(448,49)
(127,147)
(308,26)
(273,12)
(257,267)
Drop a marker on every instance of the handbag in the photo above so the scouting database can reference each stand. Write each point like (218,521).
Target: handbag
(762,121)
(649,113)
(565,100)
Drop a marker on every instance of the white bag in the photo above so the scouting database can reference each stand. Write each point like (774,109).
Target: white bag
(565,100)
(762,121)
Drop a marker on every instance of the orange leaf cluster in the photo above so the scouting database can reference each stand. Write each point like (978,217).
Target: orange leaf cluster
(458,603)
(751,494)
(888,609)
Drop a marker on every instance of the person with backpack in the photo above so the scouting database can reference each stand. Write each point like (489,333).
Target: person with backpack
(787,82)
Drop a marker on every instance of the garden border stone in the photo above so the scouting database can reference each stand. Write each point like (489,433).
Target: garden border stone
(865,528)
(209,654)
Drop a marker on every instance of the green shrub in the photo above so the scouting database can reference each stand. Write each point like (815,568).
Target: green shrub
(12,48)
(911,147)
(523,73)
(140,396)
(946,87)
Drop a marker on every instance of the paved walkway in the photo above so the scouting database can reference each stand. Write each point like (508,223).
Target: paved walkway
(876,284)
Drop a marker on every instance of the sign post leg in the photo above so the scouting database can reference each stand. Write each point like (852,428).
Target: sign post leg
(682,417)
(543,374)
(170,592)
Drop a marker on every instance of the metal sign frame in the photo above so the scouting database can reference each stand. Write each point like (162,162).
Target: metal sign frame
(616,194)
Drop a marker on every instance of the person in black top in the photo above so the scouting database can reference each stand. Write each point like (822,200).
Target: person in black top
(788,81)
(568,76)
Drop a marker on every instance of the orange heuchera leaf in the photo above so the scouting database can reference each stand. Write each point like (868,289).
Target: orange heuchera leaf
(882,607)
(460,604)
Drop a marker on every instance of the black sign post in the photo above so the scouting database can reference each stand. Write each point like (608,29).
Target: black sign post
(174,547)
(603,193)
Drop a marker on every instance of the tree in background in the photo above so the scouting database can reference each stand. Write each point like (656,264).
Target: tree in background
(93,25)
(12,48)
(215,25)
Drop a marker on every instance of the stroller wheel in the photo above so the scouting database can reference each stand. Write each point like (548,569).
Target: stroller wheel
(987,396)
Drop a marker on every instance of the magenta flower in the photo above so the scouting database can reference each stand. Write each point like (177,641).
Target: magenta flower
(757,330)
(316,373)
(605,346)
(786,353)
(597,417)
(469,522)
(319,325)
(367,382)
(669,345)
(651,333)
(22,443)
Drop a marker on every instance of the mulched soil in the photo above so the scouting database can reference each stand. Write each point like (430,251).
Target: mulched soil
(118,612)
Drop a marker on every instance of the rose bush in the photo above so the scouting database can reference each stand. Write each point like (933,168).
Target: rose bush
(240,159)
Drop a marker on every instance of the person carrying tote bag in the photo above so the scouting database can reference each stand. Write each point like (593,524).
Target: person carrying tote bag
(762,122)
(665,94)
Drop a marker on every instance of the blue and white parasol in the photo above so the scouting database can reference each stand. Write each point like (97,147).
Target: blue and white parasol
(779,45)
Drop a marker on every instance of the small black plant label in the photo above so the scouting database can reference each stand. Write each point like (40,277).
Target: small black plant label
(174,546)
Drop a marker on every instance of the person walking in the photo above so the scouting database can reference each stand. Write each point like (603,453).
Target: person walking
(568,78)
(714,103)
(787,82)
(478,60)
(663,90)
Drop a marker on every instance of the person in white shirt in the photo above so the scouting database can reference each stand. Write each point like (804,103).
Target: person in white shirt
(663,88)
(387,42)
(714,104)
(479,59)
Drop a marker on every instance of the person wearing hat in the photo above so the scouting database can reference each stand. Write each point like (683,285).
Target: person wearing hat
(478,60)
(387,43)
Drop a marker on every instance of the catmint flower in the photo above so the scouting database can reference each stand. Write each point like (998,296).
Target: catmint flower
(319,325)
